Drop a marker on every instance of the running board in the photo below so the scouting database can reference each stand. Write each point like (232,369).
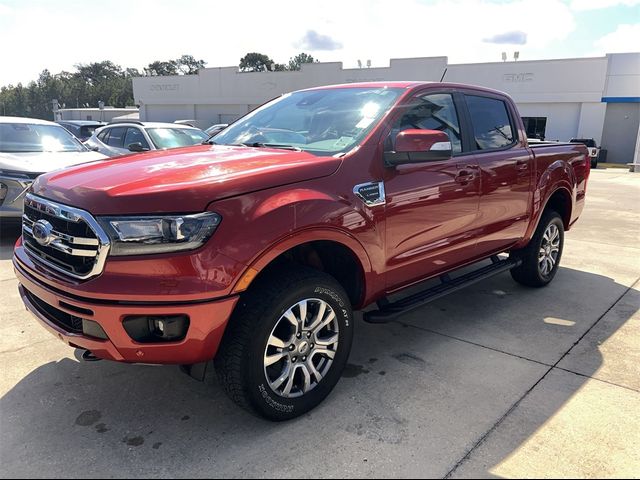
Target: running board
(389,312)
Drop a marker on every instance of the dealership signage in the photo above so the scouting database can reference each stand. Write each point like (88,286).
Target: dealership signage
(517,77)
(164,87)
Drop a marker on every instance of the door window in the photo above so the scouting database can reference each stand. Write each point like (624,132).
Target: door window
(116,137)
(432,112)
(491,124)
(134,135)
(104,135)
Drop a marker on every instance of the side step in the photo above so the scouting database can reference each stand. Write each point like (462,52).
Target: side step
(388,312)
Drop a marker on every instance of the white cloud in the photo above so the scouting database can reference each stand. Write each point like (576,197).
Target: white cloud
(57,35)
(579,5)
(624,39)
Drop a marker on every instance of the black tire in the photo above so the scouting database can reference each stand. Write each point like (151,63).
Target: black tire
(240,362)
(530,272)
(594,163)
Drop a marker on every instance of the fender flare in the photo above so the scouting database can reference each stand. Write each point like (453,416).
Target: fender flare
(542,206)
(314,234)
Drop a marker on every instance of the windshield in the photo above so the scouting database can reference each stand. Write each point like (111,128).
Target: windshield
(176,137)
(28,138)
(323,122)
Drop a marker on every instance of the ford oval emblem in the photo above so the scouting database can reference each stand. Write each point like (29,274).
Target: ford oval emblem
(42,232)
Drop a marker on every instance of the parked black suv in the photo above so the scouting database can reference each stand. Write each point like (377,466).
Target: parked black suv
(81,129)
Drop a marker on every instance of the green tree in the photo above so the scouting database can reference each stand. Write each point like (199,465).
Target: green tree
(296,62)
(99,72)
(188,65)
(85,87)
(159,68)
(255,62)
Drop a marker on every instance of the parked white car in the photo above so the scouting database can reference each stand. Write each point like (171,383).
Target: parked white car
(29,148)
(122,138)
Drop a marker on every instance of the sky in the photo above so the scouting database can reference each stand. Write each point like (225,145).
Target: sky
(58,34)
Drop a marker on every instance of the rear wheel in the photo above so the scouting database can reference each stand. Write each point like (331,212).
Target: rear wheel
(287,344)
(541,257)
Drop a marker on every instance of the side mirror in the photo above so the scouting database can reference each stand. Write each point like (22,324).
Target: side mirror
(417,146)
(137,147)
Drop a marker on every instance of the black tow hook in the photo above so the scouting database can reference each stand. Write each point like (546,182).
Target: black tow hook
(87,356)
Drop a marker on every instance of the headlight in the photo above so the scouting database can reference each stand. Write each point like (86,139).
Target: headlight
(159,234)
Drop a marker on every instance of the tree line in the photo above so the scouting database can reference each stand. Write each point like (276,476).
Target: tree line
(108,82)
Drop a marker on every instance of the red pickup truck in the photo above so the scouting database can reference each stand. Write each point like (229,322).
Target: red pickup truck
(254,250)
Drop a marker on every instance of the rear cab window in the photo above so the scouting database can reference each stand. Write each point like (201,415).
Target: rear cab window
(493,128)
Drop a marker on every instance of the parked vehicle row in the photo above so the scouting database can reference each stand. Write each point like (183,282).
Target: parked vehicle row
(255,250)
(29,148)
(122,138)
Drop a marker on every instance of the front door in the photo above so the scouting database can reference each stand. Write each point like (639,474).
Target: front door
(432,207)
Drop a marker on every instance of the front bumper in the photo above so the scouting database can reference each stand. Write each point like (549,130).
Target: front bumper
(208,321)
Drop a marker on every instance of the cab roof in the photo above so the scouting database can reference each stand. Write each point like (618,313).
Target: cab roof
(409,85)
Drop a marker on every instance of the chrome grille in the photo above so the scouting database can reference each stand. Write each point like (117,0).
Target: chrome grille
(74,245)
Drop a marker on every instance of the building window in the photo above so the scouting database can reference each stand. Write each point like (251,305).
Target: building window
(535,126)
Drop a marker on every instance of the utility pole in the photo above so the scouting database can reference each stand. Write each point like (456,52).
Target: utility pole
(56,106)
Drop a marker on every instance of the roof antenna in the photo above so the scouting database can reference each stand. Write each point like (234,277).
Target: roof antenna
(443,75)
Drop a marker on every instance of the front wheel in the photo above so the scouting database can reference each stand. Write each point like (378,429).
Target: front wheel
(541,257)
(287,344)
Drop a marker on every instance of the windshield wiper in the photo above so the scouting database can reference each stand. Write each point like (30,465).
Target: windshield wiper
(273,145)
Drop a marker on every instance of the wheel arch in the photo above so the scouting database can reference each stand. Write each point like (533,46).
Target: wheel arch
(328,250)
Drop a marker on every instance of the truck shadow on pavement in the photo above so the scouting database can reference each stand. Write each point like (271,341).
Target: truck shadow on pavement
(416,396)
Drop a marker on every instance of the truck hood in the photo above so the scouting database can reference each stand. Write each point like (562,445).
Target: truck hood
(180,180)
(40,162)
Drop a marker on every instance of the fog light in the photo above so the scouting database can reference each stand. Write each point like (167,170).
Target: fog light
(157,328)
(169,328)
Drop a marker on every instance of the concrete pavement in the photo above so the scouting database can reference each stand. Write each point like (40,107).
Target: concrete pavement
(494,381)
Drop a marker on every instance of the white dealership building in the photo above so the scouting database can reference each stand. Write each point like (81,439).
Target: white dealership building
(561,99)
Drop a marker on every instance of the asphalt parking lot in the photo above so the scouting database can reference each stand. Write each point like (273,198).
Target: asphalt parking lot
(493,381)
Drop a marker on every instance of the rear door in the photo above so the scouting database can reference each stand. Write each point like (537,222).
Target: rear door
(506,171)
(432,207)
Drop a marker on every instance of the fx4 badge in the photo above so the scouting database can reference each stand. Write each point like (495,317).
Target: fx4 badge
(371,193)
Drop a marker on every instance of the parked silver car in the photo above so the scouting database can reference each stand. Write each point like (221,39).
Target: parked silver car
(121,138)
(29,148)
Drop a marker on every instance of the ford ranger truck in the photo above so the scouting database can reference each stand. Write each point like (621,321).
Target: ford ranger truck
(255,249)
